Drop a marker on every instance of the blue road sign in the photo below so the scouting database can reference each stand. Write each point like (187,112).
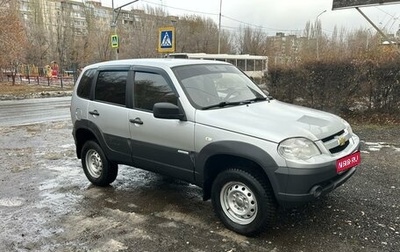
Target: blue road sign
(166,40)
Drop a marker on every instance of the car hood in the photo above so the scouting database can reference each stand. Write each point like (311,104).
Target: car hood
(272,121)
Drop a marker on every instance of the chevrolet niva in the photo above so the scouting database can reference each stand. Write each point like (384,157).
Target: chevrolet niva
(207,123)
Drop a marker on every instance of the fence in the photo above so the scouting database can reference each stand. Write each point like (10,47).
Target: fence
(32,74)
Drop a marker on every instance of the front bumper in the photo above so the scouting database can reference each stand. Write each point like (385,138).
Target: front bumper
(304,186)
(300,183)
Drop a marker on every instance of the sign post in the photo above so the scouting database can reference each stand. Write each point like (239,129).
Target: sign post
(115,38)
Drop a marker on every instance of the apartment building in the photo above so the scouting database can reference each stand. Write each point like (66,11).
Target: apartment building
(73,14)
(284,48)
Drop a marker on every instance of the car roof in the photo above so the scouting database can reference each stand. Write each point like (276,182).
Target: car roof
(154,62)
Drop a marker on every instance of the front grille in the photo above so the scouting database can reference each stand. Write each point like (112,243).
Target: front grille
(332,144)
(339,148)
(326,139)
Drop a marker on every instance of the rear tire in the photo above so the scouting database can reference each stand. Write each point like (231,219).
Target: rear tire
(243,201)
(98,169)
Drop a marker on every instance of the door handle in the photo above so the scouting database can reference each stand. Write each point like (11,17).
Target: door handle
(94,113)
(137,120)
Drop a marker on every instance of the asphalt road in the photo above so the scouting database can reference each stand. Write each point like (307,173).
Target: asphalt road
(29,111)
(47,204)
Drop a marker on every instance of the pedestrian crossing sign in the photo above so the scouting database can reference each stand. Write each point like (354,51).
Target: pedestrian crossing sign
(114,41)
(166,40)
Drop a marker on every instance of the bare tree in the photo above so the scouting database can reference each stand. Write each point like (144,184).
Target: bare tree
(94,44)
(37,35)
(139,39)
(12,37)
(197,34)
(251,41)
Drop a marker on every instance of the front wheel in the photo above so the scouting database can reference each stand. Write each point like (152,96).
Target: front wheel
(98,169)
(243,201)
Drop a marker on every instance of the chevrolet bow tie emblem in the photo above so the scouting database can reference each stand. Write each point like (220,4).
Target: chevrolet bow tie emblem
(341,141)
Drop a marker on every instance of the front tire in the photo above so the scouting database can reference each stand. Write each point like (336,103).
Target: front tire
(98,169)
(243,201)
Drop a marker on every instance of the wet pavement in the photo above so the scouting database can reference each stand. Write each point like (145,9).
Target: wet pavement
(47,204)
(30,111)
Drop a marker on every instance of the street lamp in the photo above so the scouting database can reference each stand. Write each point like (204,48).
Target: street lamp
(114,20)
(316,22)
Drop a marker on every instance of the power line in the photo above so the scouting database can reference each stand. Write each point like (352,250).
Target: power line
(181,9)
(226,17)
(259,26)
(387,13)
(394,18)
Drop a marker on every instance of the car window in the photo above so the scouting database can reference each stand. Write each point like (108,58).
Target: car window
(150,88)
(111,86)
(85,84)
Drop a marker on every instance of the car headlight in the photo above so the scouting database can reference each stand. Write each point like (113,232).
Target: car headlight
(298,149)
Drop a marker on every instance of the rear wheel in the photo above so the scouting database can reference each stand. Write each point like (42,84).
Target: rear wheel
(98,169)
(243,201)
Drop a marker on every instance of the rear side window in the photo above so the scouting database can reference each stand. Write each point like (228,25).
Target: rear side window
(85,84)
(111,86)
(150,88)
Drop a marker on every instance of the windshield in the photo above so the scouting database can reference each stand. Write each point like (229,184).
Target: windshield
(215,85)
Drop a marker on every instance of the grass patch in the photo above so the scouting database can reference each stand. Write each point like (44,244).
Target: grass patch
(7,88)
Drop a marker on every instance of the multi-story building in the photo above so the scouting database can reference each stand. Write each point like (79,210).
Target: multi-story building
(67,30)
(284,48)
(49,14)
(74,14)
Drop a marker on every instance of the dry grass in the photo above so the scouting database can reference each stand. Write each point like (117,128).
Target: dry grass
(7,88)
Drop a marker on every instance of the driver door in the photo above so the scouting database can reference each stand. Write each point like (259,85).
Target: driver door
(161,145)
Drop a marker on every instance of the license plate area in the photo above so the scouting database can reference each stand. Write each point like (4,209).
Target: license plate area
(348,162)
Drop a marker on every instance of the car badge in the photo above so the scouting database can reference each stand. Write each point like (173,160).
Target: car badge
(341,141)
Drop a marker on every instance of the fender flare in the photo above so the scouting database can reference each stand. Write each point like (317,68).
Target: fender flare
(237,149)
(91,127)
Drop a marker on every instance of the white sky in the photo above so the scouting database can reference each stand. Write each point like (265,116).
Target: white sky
(288,16)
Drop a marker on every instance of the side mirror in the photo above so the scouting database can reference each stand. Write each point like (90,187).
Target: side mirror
(166,110)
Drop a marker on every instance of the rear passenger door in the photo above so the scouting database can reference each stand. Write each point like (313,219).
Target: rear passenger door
(161,145)
(108,112)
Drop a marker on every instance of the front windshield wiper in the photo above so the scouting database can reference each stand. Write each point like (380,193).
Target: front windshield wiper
(225,103)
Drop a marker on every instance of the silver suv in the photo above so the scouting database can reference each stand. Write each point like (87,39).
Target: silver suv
(207,123)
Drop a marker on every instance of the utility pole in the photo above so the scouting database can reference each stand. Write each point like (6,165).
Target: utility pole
(219,27)
(114,21)
(114,26)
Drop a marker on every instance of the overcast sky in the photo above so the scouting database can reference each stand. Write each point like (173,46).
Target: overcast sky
(288,16)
